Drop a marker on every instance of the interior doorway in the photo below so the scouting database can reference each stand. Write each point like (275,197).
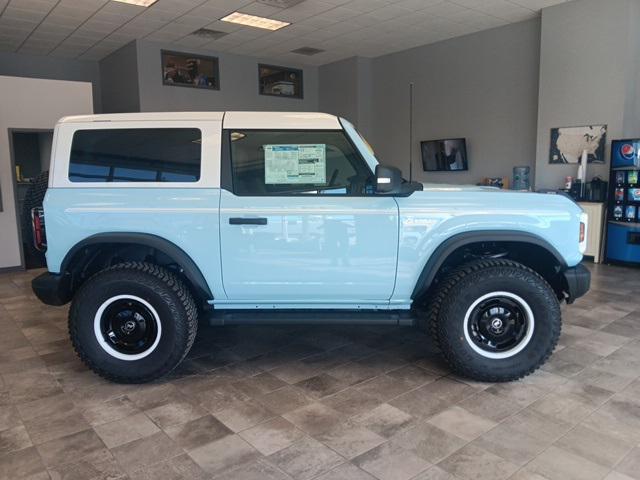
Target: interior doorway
(30,157)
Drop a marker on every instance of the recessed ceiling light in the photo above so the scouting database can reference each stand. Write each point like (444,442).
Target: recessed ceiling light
(254,21)
(139,3)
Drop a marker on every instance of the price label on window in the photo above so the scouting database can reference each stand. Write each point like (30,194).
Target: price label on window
(295,164)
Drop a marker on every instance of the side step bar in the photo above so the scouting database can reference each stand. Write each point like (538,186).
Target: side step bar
(310,317)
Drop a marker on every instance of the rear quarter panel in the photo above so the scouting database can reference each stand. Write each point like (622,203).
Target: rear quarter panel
(430,217)
(186,217)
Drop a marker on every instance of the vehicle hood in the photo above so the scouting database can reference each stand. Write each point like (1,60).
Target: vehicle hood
(499,200)
(446,187)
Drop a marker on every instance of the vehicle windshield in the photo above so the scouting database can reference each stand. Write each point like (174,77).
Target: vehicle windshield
(361,143)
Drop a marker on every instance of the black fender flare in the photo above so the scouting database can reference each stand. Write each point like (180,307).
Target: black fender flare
(451,244)
(189,268)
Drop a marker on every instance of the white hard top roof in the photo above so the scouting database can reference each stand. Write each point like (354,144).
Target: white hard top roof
(248,120)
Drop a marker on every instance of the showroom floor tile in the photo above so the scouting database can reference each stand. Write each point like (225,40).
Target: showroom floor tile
(323,402)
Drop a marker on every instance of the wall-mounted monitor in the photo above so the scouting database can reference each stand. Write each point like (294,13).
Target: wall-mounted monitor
(448,155)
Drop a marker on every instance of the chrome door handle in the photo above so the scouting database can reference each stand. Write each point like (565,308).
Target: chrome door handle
(247,221)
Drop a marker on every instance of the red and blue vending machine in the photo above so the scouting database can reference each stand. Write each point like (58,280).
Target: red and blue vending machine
(623,223)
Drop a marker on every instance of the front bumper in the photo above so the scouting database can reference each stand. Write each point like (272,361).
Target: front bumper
(578,281)
(52,288)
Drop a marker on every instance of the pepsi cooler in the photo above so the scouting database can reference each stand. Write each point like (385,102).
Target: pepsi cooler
(623,243)
(624,154)
(623,222)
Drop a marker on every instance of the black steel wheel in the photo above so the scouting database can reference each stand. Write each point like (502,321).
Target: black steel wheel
(499,324)
(127,326)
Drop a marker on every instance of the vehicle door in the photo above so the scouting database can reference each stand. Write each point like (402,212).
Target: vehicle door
(300,222)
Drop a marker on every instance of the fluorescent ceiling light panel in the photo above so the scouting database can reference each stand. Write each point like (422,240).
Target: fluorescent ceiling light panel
(139,3)
(254,21)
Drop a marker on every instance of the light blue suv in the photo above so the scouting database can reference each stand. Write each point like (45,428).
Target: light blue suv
(155,219)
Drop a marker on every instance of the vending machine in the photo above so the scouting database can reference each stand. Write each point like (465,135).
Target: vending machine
(623,220)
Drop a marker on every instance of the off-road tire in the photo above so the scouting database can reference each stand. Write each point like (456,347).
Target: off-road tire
(428,320)
(160,288)
(467,283)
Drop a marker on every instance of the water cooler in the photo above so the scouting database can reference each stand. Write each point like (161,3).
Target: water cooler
(623,220)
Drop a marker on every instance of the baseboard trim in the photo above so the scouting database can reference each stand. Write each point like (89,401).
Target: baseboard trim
(17,268)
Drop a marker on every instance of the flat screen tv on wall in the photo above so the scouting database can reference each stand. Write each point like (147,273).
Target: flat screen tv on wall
(447,155)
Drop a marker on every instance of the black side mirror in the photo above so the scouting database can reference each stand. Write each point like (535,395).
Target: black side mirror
(388,180)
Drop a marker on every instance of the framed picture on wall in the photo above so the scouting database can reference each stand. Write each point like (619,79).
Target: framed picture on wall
(280,81)
(568,143)
(189,70)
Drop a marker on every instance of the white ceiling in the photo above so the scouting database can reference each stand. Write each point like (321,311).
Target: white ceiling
(91,29)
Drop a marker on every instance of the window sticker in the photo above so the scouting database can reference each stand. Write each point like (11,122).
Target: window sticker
(295,164)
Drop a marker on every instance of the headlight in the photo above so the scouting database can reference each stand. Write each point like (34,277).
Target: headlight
(582,242)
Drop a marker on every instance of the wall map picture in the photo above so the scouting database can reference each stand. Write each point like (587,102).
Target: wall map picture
(568,143)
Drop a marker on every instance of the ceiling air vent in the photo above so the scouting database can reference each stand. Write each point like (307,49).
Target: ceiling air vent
(208,33)
(308,51)
(280,3)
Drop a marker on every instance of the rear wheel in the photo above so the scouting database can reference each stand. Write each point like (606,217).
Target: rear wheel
(133,322)
(496,320)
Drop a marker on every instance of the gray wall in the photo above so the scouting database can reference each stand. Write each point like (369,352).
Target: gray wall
(119,80)
(18,65)
(346,89)
(632,104)
(238,85)
(483,87)
(30,103)
(587,68)
(338,89)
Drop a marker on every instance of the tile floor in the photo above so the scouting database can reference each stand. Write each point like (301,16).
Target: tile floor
(332,403)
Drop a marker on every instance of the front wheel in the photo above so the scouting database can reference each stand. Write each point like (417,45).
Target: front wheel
(497,320)
(133,322)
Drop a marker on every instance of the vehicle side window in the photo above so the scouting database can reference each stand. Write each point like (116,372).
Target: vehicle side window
(286,162)
(136,155)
